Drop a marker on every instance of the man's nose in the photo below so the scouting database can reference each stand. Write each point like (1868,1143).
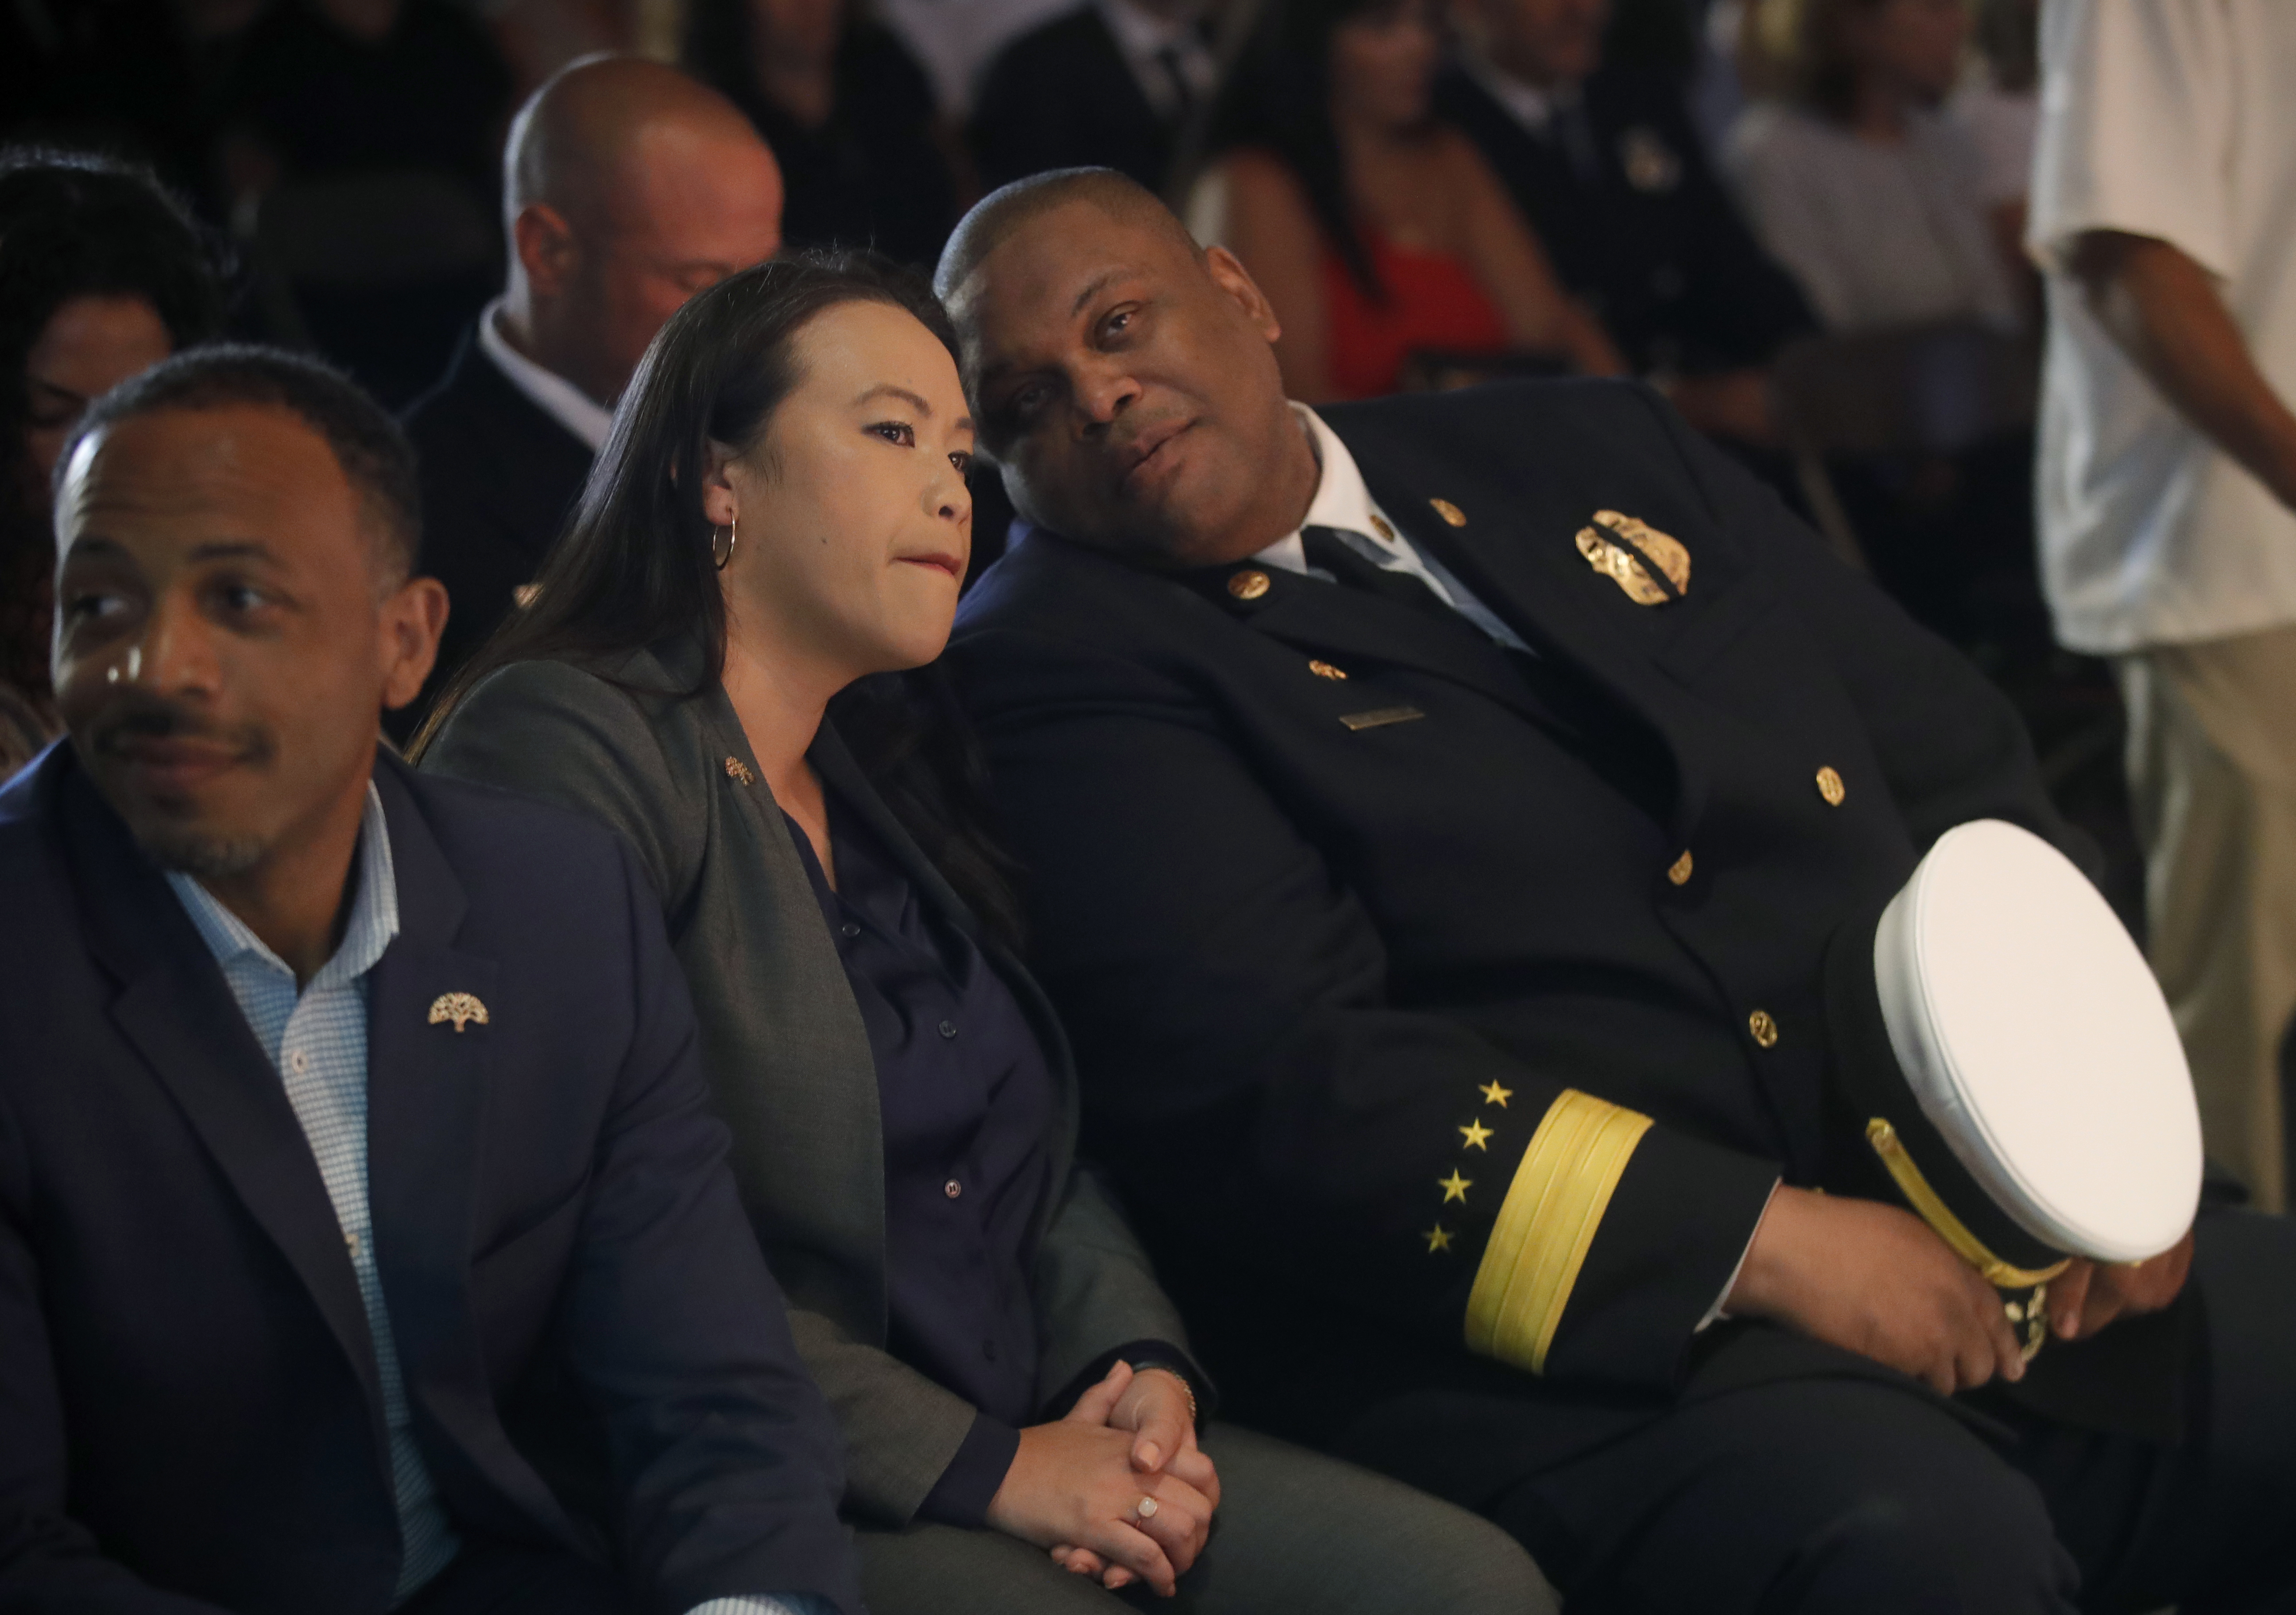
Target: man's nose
(1103,393)
(175,653)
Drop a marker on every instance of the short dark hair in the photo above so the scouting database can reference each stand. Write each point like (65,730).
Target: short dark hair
(992,219)
(368,445)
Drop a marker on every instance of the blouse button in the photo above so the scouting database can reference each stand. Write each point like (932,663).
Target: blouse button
(948,1029)
(299,1062)
(952,1188)
(849,930)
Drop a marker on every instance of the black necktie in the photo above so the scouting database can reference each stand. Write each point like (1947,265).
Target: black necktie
(1327,551)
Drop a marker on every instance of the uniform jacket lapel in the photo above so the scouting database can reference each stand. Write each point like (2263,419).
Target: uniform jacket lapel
(175,1009)
(1517,552)
(1352,625)
(427,1102)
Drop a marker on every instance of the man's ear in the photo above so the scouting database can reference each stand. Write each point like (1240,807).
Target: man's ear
(547,249)
(1229,275)
(412,617)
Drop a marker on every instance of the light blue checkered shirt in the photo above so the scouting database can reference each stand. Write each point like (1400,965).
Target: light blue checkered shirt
(316,1038)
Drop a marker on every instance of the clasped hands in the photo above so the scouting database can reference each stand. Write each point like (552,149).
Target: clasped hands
(1873,1279)
(1076,1486)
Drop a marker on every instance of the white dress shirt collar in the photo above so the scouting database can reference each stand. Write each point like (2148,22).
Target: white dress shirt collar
(1343,503)
(1140,37)
(548,391)
(373,919)
(1528,104)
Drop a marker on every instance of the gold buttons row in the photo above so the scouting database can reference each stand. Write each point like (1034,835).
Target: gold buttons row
(1829,786)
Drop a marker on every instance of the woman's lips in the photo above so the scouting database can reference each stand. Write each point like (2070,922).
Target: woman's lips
(951,564)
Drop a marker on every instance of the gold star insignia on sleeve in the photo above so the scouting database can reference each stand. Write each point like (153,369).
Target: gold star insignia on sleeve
(1476,1132)
(1495,1095)
(1454,1187)
(1438,1238)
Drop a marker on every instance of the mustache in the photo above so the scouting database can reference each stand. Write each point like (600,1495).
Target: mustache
(139,715)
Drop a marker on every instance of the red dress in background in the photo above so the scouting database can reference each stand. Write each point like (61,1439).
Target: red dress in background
(1432,302)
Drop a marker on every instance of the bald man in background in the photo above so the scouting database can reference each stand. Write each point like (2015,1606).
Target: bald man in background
(627,188)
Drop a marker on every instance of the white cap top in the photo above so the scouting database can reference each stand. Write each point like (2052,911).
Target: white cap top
(2038,1043)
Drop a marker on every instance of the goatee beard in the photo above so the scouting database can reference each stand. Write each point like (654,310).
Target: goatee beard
(203,857)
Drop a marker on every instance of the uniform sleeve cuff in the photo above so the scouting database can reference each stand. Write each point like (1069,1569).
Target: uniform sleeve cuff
(961,1495)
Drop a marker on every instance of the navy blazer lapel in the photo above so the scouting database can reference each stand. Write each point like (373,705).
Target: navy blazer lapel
(427,1091)
(177,1011)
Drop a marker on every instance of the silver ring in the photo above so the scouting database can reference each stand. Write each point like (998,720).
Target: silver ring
(1145,1508)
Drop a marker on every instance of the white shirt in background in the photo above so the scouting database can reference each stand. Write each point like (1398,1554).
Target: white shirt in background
(2174,120)
(553,394)
(1877,236)
(2001,124)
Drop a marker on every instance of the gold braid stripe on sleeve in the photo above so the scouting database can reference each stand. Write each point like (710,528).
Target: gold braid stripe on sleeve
(1540,1240)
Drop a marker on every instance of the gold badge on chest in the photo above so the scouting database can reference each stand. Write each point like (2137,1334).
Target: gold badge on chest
(1620,546)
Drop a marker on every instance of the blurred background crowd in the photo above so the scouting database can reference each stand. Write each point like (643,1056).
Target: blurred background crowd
(1802,220)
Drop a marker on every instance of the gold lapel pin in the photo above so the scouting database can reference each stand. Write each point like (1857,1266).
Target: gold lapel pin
(1250,583)
(1324,669)
(739,771)
(1449,511)
(1623,549)
(461,1008)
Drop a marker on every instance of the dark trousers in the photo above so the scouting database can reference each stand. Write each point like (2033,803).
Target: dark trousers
(1850,1495)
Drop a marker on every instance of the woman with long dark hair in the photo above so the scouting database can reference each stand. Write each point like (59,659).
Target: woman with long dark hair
(1378,233)
(103,274)
(728,658)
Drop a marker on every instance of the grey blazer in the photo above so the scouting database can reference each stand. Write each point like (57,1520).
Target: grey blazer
(783,1043)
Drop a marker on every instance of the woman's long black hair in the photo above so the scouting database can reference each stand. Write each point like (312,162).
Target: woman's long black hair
(1279,99)
(634,570)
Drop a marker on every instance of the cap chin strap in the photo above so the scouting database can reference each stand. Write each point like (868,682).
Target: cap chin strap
(1941,1219)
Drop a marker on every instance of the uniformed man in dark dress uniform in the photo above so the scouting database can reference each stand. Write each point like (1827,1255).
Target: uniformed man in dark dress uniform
(1604,160)
(1436,812)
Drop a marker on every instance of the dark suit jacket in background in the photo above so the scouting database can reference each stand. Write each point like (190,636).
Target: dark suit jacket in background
(1307,962)
(499,480)
(188,1396)
(1060,96)
(784,1047)
(1653,243)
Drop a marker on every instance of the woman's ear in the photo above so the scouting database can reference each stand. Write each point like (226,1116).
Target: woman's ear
(721,505)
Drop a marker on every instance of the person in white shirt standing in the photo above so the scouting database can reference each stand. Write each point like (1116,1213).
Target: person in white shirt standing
(2164,216)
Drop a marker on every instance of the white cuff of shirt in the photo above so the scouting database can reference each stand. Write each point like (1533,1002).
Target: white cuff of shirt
(1721,1310)
(793,1603)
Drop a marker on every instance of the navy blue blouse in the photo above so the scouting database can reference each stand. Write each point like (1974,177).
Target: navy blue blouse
(967,1099)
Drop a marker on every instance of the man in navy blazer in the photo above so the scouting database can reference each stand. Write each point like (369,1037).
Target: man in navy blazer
(350,1121)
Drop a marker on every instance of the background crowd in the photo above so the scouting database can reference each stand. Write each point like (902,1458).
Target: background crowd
(1803,220)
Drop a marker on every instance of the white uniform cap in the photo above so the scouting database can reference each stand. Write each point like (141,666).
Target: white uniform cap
(2036,1042)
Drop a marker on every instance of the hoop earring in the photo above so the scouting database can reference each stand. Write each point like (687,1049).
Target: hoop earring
(733,531)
